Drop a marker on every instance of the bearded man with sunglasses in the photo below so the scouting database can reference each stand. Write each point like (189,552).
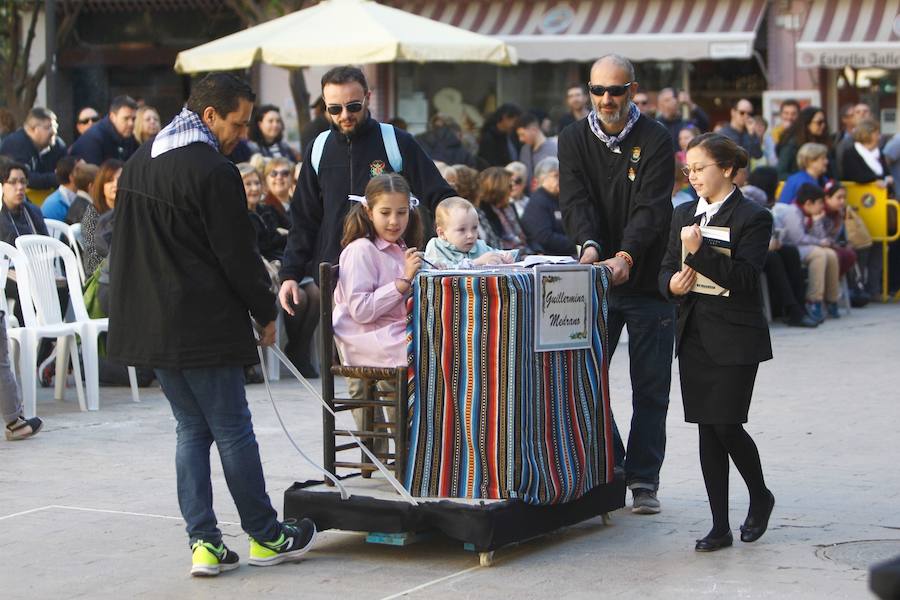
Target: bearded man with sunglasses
(341,161)
(617,170)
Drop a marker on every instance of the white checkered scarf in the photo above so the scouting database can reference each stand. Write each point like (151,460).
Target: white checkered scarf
(612,141)
(186,128)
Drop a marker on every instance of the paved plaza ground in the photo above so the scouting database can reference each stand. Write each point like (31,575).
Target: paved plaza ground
(88,508)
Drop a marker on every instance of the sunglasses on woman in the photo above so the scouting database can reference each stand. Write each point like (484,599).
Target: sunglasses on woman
(614,90)
(352,107)
(87,120)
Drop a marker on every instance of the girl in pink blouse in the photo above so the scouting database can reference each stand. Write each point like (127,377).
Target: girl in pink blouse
(377,266)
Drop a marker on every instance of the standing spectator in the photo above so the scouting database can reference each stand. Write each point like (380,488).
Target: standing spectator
(738,129)
(669,113)
(542,221)
(443,142)
(642,101)
(27,144)
(353,151)
(577,104)
(535,145)
(20,216)
(267,134)
(496,146)
(146,124)
(87,118)
(810,126)
(7,123)
(57,204)
(863,162)
(616,180)
(317,125)
(182,215)
(812,159)
(517,172)
(105,186)
(84,176)
(843,140)
(112,136)
(278,173)
(788,112)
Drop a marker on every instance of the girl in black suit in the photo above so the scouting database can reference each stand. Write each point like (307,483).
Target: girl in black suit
(721,339)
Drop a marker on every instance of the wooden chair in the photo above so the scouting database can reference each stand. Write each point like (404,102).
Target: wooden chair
(374,398)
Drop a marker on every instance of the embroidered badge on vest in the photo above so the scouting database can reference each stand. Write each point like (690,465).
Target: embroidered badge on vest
(376,168)
(631,173)
(635,154)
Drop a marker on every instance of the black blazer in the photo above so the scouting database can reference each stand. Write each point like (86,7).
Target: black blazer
(733,329)
(855,168)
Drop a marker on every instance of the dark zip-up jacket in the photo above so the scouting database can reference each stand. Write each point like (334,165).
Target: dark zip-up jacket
(102,141)
(41,167)
(621,201)
(320,201)
(184,274)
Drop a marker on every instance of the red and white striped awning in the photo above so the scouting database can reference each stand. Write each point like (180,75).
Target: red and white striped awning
(856,33)
(581,30)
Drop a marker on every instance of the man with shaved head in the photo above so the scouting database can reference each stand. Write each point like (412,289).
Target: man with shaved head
(617,171)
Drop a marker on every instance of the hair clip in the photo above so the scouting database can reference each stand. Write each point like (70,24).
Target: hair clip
(413,201)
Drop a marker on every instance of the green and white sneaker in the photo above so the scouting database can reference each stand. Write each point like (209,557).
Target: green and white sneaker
(294,542)
(210,560)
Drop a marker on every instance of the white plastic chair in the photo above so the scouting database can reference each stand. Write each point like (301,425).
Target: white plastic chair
(41,252)
(28,337)
(65,233)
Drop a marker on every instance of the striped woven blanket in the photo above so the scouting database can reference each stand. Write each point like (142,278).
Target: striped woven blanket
(489,416)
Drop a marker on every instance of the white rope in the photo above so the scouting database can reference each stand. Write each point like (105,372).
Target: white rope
(309,387)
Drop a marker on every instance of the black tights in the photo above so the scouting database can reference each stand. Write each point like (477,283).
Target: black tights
(717,443)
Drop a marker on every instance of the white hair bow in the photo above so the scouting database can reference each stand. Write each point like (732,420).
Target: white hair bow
(413,201)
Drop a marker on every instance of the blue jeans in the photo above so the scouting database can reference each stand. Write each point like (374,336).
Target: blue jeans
(651,340)
(210,406)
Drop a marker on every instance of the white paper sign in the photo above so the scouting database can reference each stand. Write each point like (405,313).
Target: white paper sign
(564,311)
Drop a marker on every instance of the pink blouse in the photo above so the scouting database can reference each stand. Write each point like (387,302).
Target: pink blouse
(369,312)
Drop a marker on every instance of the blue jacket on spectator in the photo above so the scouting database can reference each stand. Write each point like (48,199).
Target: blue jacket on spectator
(102,141)
(41,167)
(542,222)
(57,204)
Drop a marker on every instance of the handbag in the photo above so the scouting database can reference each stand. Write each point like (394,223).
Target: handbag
(858,235)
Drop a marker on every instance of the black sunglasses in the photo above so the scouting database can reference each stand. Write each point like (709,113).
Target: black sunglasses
(87,120)
(336,109)
(614,90)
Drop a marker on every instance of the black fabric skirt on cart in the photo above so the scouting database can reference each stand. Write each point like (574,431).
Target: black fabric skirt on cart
(712,394)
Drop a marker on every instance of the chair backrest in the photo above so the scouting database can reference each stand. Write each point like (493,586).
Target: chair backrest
(41,254)
(71,236)
(10,254)
(57,229)
(328,276)
(872,204)
(75,230)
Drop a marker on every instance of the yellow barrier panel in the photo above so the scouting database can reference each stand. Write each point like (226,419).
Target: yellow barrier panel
(872,204)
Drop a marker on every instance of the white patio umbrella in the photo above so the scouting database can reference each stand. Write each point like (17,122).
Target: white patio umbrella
(344,32)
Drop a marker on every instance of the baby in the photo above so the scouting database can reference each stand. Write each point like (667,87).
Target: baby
(457,244)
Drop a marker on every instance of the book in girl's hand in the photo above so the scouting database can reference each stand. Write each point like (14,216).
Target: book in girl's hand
(719,239)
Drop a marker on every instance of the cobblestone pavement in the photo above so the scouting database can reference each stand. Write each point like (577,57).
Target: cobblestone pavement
(88,507)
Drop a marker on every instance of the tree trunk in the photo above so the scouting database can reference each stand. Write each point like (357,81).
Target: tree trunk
(301,97)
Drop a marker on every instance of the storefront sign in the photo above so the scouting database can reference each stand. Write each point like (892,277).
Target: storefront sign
(845,58)
(563,307)
(720,50)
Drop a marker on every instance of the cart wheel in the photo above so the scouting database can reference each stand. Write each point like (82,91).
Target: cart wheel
(606,518)
(486,559)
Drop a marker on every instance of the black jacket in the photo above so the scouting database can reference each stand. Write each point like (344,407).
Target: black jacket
(674,126)
(542,222)
(16,223)
(183,270)
(601,202)
(320,201)
(855,168)
(102,141)
(269,243)
(444,145)
(496,148)
(733,329)
(41,168)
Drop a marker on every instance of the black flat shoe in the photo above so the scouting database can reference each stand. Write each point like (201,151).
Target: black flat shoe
(711,544)
(754,528)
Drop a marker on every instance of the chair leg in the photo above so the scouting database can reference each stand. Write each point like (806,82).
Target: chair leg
(76,370)
(91,368)
(132,379)
(62,364)
(28,374)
